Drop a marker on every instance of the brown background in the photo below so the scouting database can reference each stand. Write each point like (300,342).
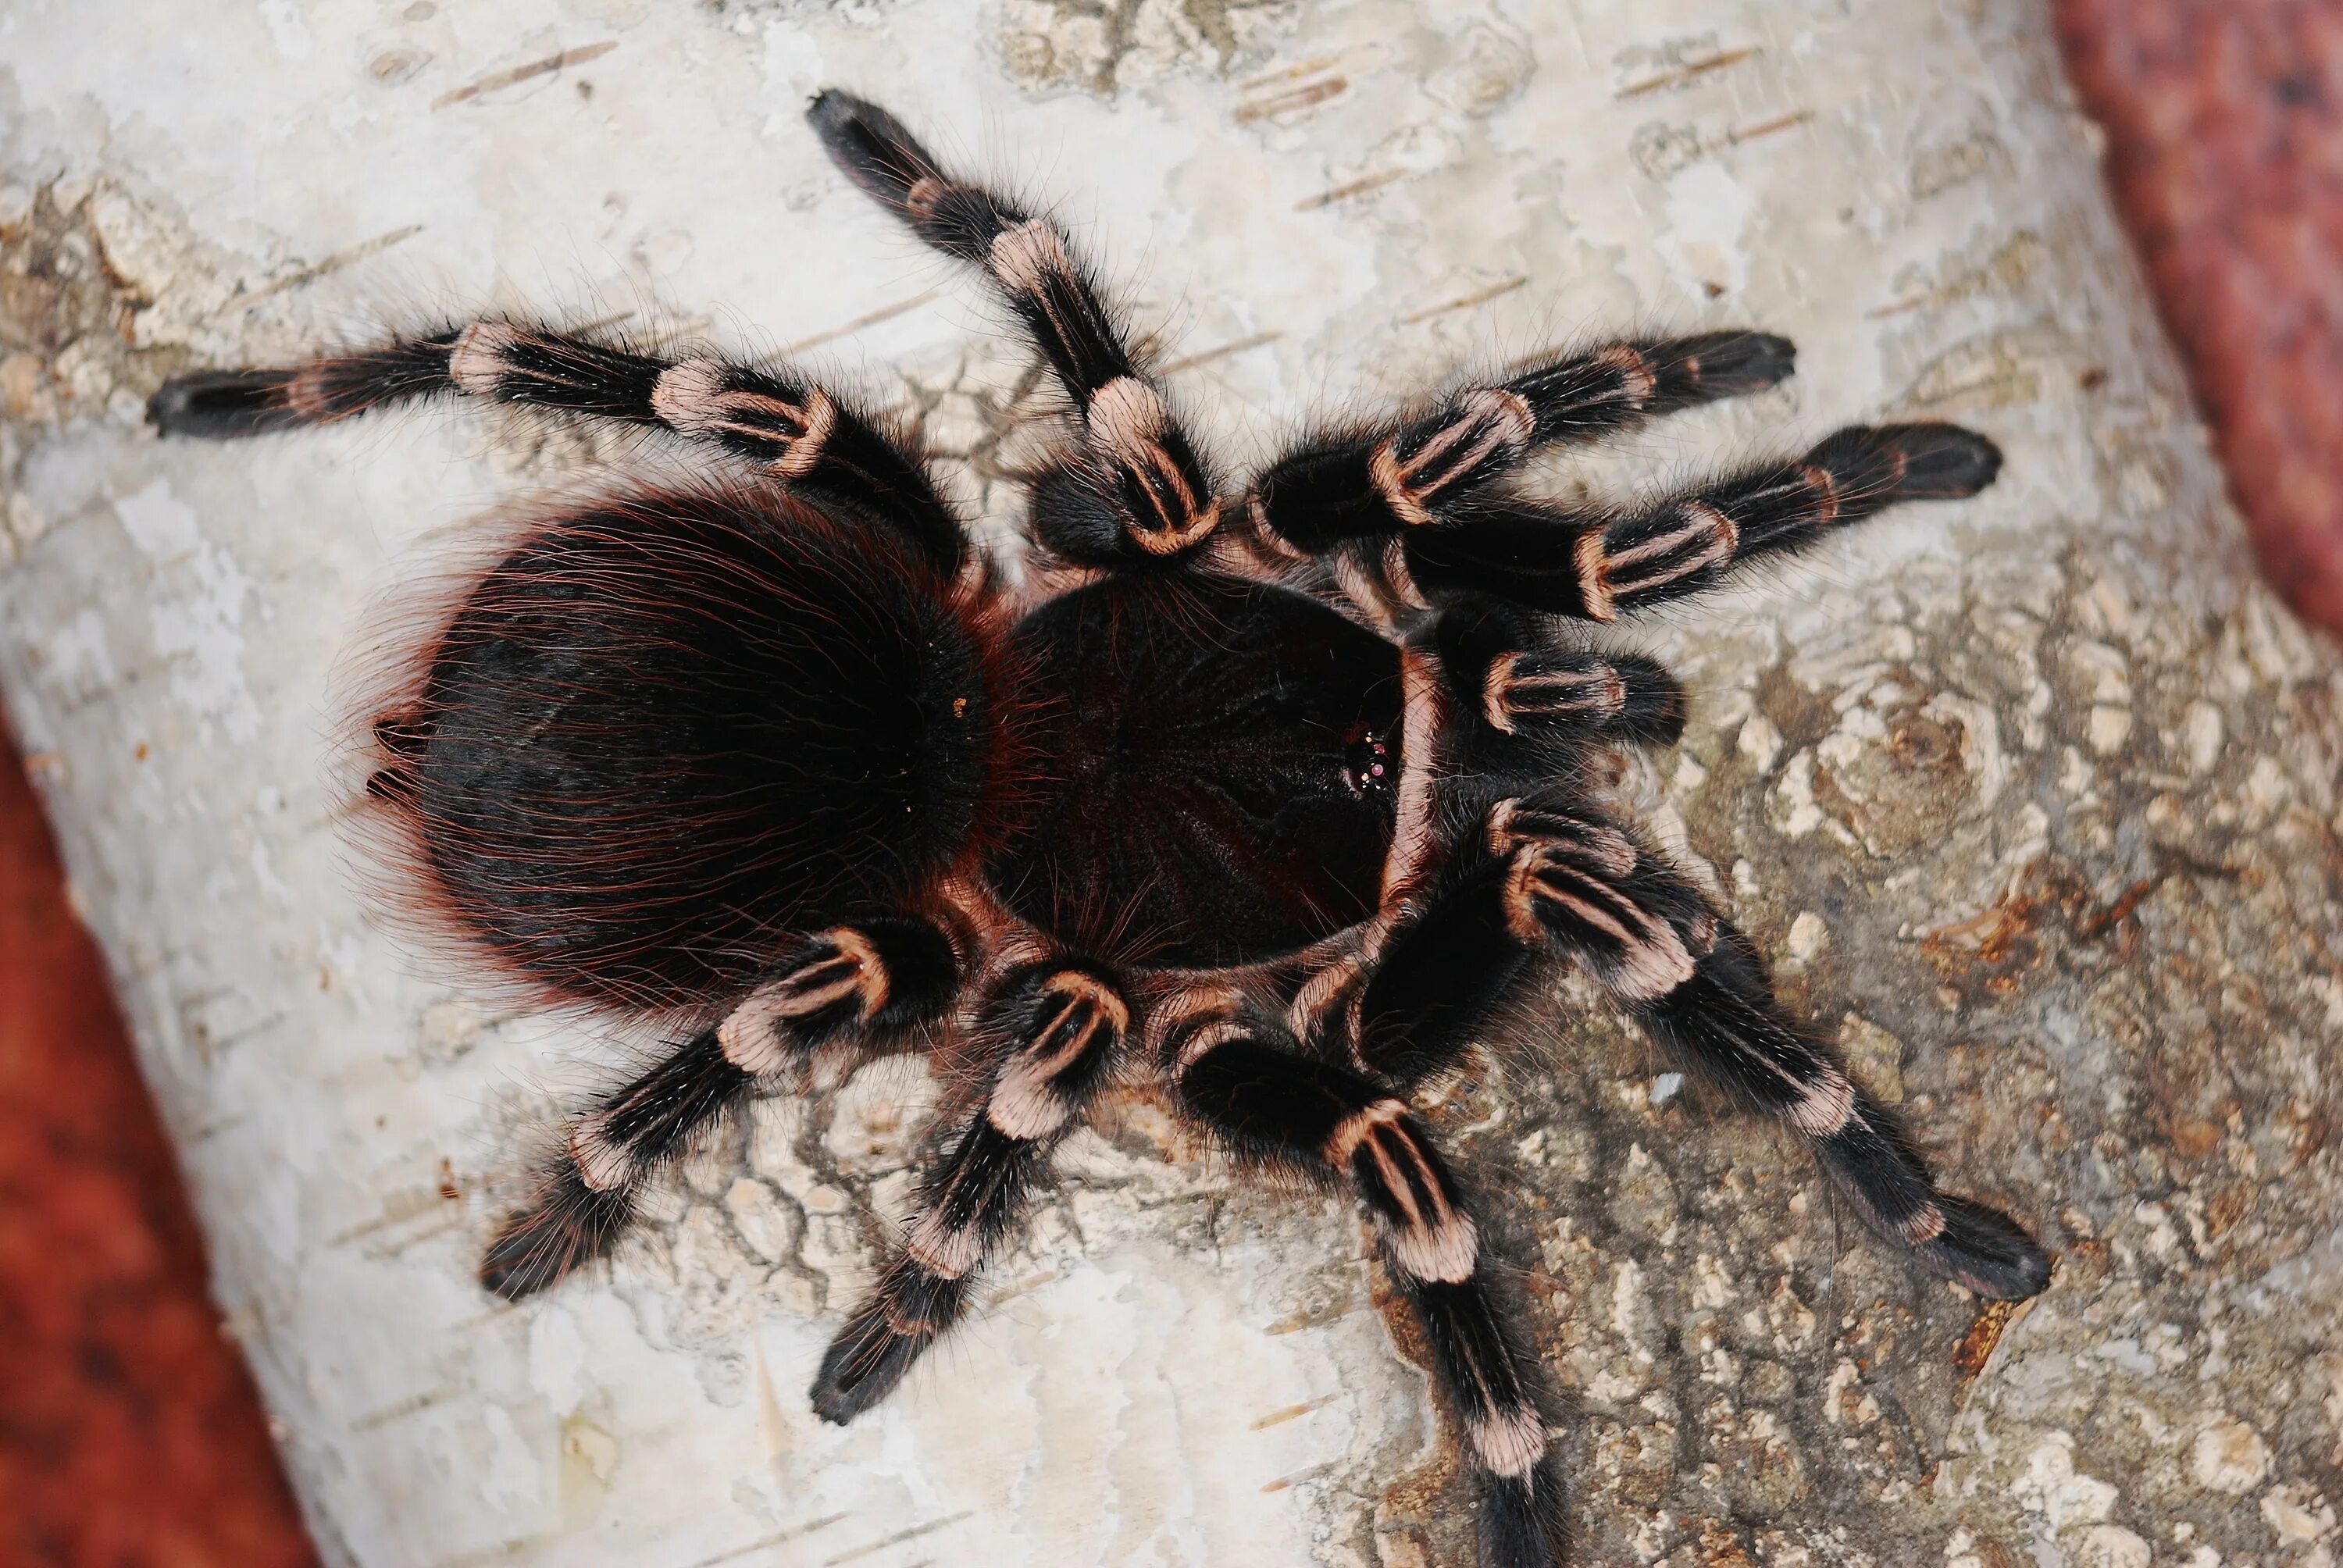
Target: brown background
(2225,152)
(129,1433)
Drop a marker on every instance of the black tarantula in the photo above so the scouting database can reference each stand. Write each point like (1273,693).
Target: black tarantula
(1271,794)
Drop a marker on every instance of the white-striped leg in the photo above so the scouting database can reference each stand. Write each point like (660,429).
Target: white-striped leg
(1299,1113)
(1585,884)
(1352,486)
(1622,696)
(878,977)
(1140,495)
(586,1196)
(1601,566)
(787,426)
(1061,1028)
(1498,665)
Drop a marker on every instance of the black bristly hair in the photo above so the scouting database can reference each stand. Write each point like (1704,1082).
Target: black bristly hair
(744,713)
(1274,801)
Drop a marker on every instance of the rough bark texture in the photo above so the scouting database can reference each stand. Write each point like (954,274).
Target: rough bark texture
(2034,798)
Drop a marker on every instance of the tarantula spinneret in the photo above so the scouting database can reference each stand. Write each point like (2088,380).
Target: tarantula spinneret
(1271,793)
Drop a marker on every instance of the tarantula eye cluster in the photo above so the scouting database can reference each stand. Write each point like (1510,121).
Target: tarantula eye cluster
(1366,760)
(1272,798)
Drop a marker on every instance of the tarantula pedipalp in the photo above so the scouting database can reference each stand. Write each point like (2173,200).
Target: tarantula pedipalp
(1275,794)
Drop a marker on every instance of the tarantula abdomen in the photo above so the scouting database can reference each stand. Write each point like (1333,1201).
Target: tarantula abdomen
(667,729)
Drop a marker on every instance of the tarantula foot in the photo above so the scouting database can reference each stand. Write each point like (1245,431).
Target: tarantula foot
(1521,1523)
(864,1363)
(1986,1251)
(570,1223)
(221,405)
(1942,462)
(1735,364)
(871,147)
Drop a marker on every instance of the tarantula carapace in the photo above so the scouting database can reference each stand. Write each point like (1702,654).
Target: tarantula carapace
(1271,794)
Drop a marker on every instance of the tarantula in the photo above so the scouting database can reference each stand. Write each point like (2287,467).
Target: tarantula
(1273,794)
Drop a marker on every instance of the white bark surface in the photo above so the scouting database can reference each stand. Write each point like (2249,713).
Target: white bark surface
(1926,769)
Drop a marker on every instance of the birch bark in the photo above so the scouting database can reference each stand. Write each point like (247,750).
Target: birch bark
(2033,800)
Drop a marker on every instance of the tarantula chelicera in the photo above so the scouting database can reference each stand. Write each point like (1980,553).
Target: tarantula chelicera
(1273,794)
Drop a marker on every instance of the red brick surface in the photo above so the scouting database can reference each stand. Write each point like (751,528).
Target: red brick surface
(2224,121)
(129,1434)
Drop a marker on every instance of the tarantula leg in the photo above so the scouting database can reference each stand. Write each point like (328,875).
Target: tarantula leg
(1586,396)
(1060,1028)
(1150,497)
(880,976)
(1433,987)
(1583,885)
(586,1196)
(1374,482)
(224,405)
(870,980)
(1436,977)
(1520,687)
(1599,567)
(789,428)
(1297,1113)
